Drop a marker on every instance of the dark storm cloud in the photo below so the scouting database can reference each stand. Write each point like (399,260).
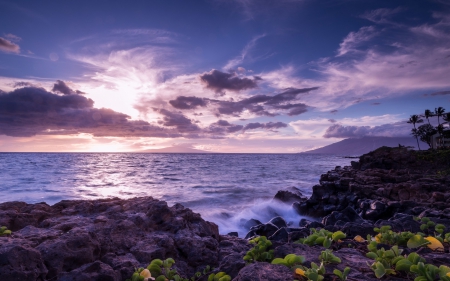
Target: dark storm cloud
(223,127)
(219,81)
(30,111)
(269,125)
(61,87)
(258,104)
(8,46)
(295,109)
(399,129)
(183,102)
(178,121)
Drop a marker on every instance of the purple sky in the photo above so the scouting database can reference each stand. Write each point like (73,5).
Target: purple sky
(224,76)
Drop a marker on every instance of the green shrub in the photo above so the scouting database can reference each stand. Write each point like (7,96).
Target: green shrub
(260,252)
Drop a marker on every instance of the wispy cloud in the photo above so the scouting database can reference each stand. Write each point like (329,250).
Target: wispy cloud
(381,16)
(409,60)
(355,39)
(233,63)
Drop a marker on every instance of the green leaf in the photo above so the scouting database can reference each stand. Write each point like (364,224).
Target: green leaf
(155,270)
(380,271)
(338,235)
(417,241)
(160,278)
(403,265)
(157,262)
(371,255)
(338,273)
(280,261)
(327,243)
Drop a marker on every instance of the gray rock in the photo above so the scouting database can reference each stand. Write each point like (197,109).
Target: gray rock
(19,261)
(232,264)
(264,271)
(96,271)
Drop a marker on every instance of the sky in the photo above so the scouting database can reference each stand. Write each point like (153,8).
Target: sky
(240,76)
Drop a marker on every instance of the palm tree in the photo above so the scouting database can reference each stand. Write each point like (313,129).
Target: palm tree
(446,117)
(414,119)
(439,112)
(428,114)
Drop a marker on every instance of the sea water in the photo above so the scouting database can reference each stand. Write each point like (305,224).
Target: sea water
(224,188)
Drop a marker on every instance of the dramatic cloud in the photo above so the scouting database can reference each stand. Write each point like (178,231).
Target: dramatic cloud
(223,127)
(257,104)
(61,87)
(31,111)
(399,129)
(268,126)
(183,102)
(8,46)
(219,81)
(406,60)
(178,121)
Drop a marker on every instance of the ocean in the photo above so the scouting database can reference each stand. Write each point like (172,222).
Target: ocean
(224,188)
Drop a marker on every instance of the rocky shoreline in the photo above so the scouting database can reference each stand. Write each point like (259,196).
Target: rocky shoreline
(107,239)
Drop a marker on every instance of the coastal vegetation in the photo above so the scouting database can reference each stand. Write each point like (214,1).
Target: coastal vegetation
(385,249)
(425,132)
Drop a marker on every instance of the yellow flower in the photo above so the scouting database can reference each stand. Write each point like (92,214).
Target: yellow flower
(147,275)
(378,237)
(359,239)
(435,244)
(299,271)
(448,274)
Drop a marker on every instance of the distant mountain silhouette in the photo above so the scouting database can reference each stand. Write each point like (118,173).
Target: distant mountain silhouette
(357,147)
(175,149)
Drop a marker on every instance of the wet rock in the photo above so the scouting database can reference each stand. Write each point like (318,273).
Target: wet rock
(290,195)
(346,215)
(267,230)
(278,222)
(352,229)
(251,223)
(281,235)
(296,233)
(314,224)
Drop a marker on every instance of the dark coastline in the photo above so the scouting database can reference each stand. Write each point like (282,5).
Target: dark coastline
(106,239)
